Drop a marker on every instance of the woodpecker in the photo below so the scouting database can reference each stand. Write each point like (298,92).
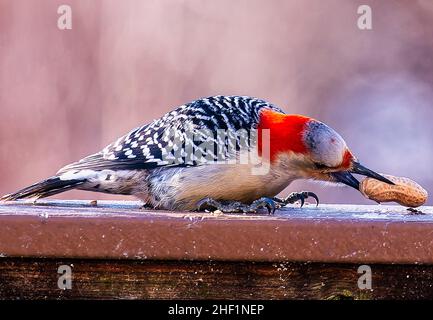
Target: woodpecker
(199,156)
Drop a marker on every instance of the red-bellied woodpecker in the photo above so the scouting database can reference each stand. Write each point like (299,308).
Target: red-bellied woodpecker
(232,153)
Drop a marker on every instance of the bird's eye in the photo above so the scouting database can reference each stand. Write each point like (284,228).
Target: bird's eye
(321,166)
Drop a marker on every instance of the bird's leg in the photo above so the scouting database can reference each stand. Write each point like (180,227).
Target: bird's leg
(236,206)
(297,196)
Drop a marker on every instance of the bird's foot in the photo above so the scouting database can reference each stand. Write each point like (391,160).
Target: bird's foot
(238,207)
(297,196)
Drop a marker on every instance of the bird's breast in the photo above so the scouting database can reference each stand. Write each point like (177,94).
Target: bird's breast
(182,188)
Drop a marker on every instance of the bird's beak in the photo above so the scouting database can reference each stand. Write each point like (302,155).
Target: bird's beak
(347,178)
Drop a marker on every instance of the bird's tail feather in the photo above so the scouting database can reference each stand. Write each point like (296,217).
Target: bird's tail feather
(45,188)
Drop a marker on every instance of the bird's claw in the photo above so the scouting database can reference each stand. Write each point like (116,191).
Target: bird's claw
(265,202)
(238,207)
(271,204)
(206,203)
(299,196)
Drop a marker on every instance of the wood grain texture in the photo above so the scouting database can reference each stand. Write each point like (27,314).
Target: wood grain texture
(114,279)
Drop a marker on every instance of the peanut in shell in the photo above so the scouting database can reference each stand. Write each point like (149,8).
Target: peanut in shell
(405,191)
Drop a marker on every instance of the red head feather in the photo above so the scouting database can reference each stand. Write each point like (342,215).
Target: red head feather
(347,159)
(285,132)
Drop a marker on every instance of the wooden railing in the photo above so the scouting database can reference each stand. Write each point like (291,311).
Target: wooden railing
(79,249)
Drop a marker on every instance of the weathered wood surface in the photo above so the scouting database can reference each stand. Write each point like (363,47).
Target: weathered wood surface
(121,230)
(119,251)
(133,279)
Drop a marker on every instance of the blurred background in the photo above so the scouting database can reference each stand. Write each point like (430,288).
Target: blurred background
(67,93)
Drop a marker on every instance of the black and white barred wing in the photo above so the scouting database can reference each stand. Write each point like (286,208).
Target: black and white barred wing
(211,129)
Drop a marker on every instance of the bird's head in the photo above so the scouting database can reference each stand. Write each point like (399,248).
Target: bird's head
(313,150)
